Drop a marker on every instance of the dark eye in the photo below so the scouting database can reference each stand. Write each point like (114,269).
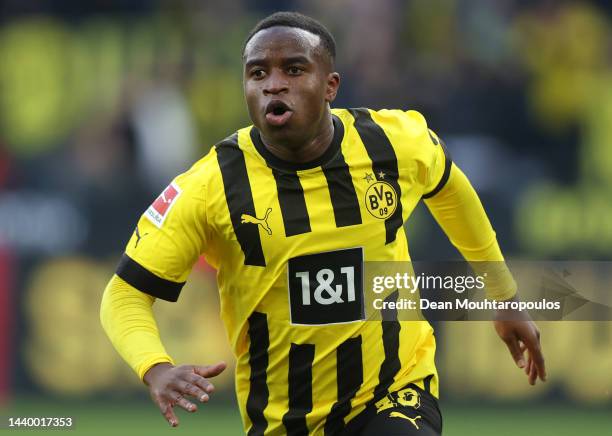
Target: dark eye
(258,73)
(294,71)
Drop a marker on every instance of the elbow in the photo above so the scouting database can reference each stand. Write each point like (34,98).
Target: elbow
(120,299)
(106,306)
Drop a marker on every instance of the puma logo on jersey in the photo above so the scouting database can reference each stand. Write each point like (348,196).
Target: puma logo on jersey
(263,222)
(138,236)
(401,415)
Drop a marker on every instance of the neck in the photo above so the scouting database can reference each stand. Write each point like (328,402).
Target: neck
(305,150)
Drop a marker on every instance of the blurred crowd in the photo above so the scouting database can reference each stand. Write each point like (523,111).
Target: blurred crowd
(103,102)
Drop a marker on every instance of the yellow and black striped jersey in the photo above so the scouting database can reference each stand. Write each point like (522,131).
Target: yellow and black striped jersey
(288,242)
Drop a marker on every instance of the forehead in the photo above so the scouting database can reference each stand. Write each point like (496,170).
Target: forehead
(286,41)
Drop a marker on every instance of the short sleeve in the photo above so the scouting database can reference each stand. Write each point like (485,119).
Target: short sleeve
(439,166)
(168,239)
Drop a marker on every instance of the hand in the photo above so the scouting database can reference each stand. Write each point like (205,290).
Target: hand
(169,384)
(521,334)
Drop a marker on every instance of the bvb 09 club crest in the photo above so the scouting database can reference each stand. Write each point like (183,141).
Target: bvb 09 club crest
(381,199)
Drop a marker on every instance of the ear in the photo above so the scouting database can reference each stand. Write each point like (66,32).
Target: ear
(333,83)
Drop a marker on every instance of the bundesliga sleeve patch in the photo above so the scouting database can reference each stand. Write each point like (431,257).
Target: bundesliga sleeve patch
(158,211)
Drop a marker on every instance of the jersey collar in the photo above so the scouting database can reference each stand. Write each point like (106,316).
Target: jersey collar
(276,162)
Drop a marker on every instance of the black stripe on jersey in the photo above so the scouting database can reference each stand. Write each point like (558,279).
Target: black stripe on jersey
(292,202)
(239,199)
(445,175)
(433,138)
(384,163)
(144,280)
(390,336)
(349,378)
(300,389)
(340,183)
(427,383)
(258,361)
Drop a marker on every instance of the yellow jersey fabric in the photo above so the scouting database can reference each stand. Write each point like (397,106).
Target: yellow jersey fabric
(288,242)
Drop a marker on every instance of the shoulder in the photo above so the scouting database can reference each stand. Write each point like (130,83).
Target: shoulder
(410,122)
(406,130)
(194,181)
(206,171)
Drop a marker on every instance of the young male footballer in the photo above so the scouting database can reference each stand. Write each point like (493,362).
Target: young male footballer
(287,210)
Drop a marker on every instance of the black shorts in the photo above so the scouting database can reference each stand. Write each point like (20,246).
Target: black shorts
(411,411)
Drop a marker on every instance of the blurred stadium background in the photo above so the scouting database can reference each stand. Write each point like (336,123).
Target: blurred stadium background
(102,102)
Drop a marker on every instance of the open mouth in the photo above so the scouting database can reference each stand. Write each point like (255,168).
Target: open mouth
(278,113)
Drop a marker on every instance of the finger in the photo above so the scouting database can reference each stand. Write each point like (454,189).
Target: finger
(210,370)
(539,364)
(523,349)
(202,384)
(186,405)
(182,402)
(535,352)
(532,340)
(528,368)
(515,351)
(189,388)
(168,413)
(533,373)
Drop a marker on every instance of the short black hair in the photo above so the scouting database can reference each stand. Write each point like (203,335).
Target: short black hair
(299,21)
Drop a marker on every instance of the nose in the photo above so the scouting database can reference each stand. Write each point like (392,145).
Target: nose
(276,84)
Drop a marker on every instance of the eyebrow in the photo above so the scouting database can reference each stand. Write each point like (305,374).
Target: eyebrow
(297,60)
(290,60)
